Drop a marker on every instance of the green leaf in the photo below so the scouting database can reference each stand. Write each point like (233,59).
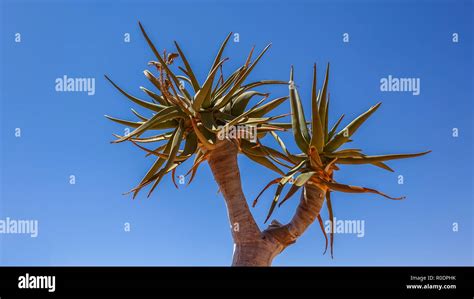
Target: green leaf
(262,161)
(202,97)
(175,143)
(227,83)
(326,123)
(381,158)
(274,201)
(356,189)
(207,119)
(189,70)
(142,103)
(154,96)
(157,54)
(155,138)
(164,115)
(164,125)
(262,82)
(344,135)
(298,120)
(383,166)
(281,143)
(154,168)
(125,122)
(200,157)
(294,188)
(317,138)
(281,125)
(331,217)
(334,128)
(321,225)
(264,109)
(142,118)
(190,146)
(201,135)
(221,50)
(272,182)
(303,178)
(347,153)
(241,102)
(323,104)
(223,101)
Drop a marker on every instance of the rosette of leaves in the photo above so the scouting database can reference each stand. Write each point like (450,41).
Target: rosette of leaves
(186,123)
(320,151)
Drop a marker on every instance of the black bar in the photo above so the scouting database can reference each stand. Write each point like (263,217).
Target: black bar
(293,282)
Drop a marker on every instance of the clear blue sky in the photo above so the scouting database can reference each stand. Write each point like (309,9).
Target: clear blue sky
(66,134)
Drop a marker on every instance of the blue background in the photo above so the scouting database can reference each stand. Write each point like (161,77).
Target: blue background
(66,134)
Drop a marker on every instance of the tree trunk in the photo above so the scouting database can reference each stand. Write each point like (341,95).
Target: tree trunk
(251,246)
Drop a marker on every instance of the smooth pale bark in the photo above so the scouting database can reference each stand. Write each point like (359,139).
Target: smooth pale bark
(251,246)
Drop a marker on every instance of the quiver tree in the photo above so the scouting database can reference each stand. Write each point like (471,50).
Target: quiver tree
(187,123)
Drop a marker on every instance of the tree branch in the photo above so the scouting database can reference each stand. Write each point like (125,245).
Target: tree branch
(223,163)
(306,212)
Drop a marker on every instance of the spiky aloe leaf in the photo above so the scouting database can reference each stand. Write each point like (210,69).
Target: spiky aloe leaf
(154,138)
(141,117)
(154,168)
(261,83)
(303,178)
(321,225)
(201,137)
(148,105)
(383,166)
(227,83)
(275,200)
(200,157)
(293,189)
(323,103)
(241,102)
(298,120)
(344,135)
(331,217)
(157,153)
(264,109)
(271,183)
(221,50)
(175,143)
(189,70)
(376,159)
(334,128)
(202,97)
(190,145)
(208,120)
(127,123)
(356,189)
(223,101)
(164,115)
(262,161)
(317,138)
(154,96)
(157,54)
